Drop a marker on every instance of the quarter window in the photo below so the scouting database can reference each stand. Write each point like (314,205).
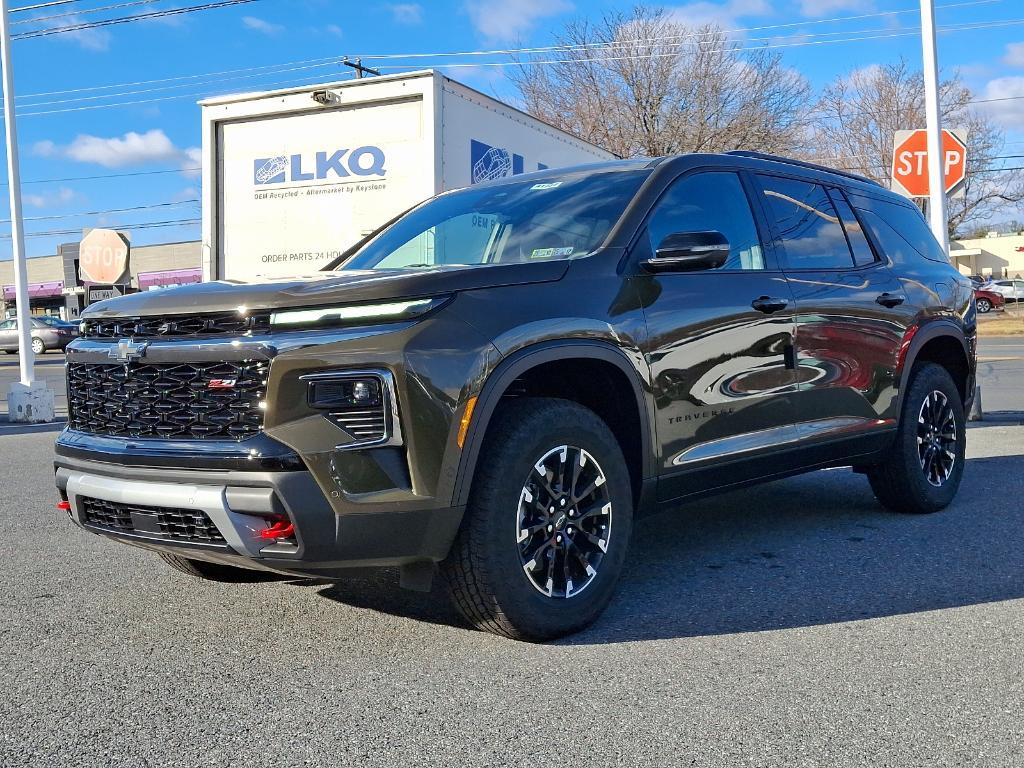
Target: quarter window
(807,223)
(862,253)
(710,201)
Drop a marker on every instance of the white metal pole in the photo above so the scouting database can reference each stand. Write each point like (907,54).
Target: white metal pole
(933,118)
(14,195)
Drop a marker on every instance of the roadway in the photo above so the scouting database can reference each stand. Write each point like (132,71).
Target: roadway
(793,624)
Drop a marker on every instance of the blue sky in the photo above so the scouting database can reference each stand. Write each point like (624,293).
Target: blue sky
(155,124)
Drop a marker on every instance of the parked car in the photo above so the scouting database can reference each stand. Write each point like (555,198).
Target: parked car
(987,300)
(56,322)
(495,384)
(1012,290)
(45,336)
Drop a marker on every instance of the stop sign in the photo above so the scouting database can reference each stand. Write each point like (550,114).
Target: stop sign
(103,257)
(910,162)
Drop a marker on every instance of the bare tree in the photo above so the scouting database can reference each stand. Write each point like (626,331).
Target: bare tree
(858,115)
(643,84)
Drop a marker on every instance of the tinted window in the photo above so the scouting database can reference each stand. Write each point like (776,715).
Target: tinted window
(911,226)
(557,217)
(710,201)
(807,223)
(6,325)
(862,253)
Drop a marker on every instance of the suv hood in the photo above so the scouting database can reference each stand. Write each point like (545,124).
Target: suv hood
(325,288)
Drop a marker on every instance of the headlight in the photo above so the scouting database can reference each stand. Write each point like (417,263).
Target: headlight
(355,314)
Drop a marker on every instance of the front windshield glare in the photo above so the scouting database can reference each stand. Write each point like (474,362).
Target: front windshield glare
(555,218)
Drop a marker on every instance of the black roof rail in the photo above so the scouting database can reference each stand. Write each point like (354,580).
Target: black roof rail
(802,164)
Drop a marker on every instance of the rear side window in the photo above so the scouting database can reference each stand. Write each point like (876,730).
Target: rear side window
(713,200)
(862,253)
(807,224)
(909,224)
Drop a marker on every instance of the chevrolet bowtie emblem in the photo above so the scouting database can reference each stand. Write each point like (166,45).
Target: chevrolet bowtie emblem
(127,349)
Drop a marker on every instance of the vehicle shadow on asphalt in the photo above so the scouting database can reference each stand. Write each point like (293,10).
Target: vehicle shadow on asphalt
(810,550)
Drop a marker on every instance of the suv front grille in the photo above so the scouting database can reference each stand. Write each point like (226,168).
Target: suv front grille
(189,525)
(170,326)
(183,401)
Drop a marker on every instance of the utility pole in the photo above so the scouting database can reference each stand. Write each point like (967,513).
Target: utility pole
(933,121)
(27,400)
(357,65)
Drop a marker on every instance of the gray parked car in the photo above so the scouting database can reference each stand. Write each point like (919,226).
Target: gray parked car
(44,336)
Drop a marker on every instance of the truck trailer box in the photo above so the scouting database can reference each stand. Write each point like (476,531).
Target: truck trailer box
(292,178)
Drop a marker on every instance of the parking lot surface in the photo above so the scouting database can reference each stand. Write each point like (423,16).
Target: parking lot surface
(794,624)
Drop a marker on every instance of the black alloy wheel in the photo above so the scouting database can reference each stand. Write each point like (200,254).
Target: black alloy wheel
(936,438)
(564,522)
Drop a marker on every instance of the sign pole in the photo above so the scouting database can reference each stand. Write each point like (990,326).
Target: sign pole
(14,195)
(27,400)
(933,116)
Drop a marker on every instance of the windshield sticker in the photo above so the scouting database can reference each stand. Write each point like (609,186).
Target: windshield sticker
(547,185)
(551,253)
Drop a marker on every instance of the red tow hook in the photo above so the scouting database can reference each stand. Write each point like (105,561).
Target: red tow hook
(64,506)
(279,529)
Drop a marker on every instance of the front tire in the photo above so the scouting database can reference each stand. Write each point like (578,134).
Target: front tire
(548,524)
(922,470)
(38,347)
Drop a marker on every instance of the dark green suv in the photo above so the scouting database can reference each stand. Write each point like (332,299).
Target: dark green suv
(498,382)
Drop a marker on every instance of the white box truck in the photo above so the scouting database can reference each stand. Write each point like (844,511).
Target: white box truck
(292,178)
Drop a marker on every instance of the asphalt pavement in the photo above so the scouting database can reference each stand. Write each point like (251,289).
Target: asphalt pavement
(793,624)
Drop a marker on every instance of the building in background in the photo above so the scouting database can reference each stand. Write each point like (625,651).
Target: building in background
(54,286)
(996,256)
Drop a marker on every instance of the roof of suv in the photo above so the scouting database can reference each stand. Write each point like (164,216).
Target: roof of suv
(749,158)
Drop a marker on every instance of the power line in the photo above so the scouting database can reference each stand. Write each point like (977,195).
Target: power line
(108,176)
(55,216)
(686,35)
(37,19)
(39,6)
(127,19)
(78,230)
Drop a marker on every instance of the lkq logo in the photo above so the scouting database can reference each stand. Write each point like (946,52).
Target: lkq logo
(340,163)
(487,162)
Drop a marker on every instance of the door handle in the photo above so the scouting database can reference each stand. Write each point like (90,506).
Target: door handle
(890,299)
(769,304)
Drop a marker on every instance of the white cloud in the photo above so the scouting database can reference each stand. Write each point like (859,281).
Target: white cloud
(49,199)
(1009,112)
(511,19)
(406,13)
(725,15)
(816,9)
(188,193)
(333,29)
(261,25)
(131,149)
(1014,55)
(88,39)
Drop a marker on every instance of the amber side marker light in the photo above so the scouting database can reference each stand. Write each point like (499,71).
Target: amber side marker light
(467,416)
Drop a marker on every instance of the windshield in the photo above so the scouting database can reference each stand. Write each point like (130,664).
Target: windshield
(554,218)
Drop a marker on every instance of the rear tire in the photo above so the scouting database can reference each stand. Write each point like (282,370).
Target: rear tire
(922,470)
(204,569)
(560,576)
(984,306)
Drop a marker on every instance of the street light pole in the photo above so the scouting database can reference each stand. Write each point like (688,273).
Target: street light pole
(933,120)
(28,399)
(14,195)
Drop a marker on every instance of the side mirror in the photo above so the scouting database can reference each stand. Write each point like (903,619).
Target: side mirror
(688,252)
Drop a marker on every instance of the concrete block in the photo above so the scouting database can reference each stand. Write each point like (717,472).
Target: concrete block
(32,404)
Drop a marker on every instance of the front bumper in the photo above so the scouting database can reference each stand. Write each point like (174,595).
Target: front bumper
(237,502)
